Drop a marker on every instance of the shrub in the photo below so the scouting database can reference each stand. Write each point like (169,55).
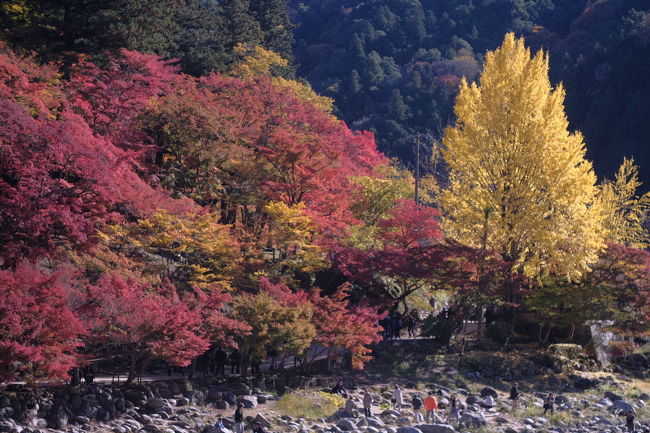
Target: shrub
(499,332)
(309,404)
(570,351)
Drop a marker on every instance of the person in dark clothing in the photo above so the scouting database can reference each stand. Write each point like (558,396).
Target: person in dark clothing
(387,324)
(514,396)
(338,389)
(397,326)
(417,402)
(239,418)
(235,360)
(549,404)
(629,421)
(411,323)
(220,359)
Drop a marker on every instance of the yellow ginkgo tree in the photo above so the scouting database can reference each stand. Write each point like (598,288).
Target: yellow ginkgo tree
(625,210)
(519,183)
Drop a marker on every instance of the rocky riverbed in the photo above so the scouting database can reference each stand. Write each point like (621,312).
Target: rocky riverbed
(589,404)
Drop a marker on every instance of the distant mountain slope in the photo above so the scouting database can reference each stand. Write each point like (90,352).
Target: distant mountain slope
(393,66)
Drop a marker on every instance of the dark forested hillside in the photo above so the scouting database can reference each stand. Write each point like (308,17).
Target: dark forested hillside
(393,66)
(200,34)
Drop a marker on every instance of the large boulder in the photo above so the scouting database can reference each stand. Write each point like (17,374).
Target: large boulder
(474,419)
(195,397)
(262,420)
(58,419)
(347,424)
(249,401)
(374,422)
(571,351)
(408,429)
(156,403)
(620,406)
(488,391)
(221,404)
(435,428)
(584,383)
(230,398)
(612,396)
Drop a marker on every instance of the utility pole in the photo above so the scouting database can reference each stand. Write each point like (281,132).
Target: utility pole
(417,171)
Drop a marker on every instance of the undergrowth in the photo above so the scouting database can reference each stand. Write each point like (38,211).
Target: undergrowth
(309,404)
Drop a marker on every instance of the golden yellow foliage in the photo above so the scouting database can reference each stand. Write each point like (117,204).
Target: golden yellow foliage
(518,179)
(258,61)
(625,211)
(294,233)
(275,325)
(193,250)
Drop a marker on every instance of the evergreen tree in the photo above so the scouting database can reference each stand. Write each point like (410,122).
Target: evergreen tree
(201,42)
(373,74)
(239,24)
(518,180)
(355,81)
(273,18)
(398,109)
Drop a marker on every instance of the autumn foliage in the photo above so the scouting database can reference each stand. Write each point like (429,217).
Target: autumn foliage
(136,203)
(148,214)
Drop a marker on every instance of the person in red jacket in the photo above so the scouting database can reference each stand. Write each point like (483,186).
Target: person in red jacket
(430,405)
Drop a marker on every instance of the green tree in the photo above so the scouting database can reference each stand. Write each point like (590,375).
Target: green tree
(240,25)
(398,109)
(273,18)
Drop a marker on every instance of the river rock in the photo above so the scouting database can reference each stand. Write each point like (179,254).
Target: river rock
(620,406)
(471,418)
(195,397)
(346,424)
(435,428)
(262,420)
(488,391)
(249,401)
(408,429)
(612,396)
(155,403)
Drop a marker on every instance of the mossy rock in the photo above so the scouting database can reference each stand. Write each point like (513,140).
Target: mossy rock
(571,351)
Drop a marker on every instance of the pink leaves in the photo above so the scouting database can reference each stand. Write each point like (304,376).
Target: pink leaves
(39,333)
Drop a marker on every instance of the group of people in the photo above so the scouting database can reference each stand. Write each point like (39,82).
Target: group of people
(395,323)
(430,405)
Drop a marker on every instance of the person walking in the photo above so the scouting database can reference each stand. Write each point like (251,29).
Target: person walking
(514,395)
(453,409)
(430,406)
(398,398)
(416,402)
(239,418)
(367,403)
(549,404)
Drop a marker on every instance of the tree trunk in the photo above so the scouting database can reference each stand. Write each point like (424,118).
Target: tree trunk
(133,367)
